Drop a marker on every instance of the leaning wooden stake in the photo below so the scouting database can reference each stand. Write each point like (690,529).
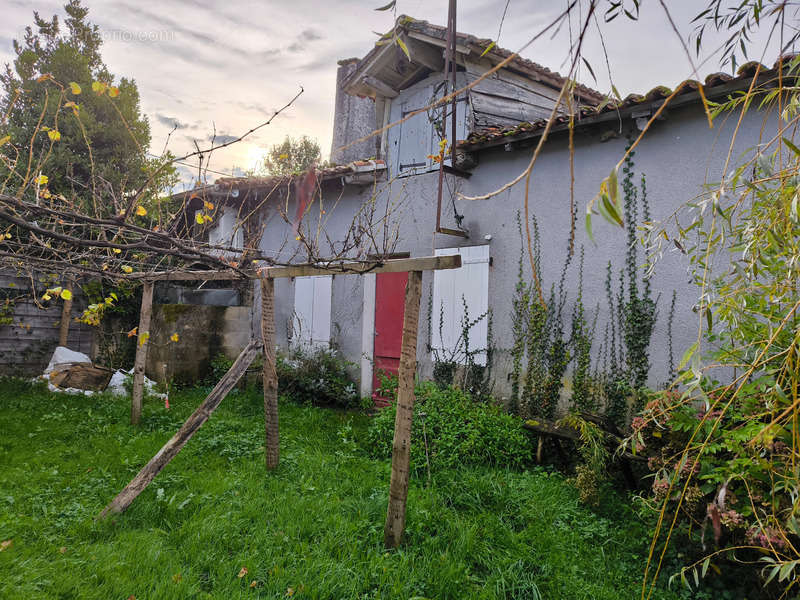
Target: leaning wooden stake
(189,428)
(271,449)
(141,352)
(401,450)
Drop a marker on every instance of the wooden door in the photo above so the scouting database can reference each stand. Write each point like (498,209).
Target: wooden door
(390,291)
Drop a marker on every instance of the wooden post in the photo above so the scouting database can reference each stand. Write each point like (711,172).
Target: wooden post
(401,449)
(271,449)
(66,315)
(193,423)
(141,352)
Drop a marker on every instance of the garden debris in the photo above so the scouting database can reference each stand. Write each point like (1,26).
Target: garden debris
(118,380)
(57,372)
(64,356)
(81,376)
(72,372)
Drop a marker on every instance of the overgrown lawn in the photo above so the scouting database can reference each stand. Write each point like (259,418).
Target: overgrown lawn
(214,525)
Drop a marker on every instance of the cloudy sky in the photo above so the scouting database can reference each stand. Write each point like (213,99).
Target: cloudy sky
(225,66)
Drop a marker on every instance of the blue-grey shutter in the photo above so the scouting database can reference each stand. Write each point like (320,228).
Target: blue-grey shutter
(415,134)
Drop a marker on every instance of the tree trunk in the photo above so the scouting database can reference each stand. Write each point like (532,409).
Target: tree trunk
(401,450)
(66,315)
(193,423)
(271,449)
(141,352)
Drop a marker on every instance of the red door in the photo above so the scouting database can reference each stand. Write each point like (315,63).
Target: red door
(390,293)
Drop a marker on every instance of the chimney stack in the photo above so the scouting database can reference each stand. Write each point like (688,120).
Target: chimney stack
(353,118)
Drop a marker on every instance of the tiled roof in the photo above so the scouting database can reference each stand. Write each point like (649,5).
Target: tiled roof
(272,181)
(225,185)
(493,136)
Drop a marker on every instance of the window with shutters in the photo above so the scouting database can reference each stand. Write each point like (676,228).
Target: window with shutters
(311,325)
(459,295)
(418,137)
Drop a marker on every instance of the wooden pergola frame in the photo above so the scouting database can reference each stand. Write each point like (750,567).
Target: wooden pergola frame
(401,448)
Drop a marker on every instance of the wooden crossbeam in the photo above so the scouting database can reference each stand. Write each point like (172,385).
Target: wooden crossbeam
(395,265)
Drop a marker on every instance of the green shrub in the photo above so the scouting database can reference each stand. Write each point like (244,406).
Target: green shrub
(220,365)
(451,430)
(316,377)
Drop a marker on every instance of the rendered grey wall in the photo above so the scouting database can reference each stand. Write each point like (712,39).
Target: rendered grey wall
(678,155)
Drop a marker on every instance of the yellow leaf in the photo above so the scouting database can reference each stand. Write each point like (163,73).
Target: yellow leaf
(98,87)
(113,91)
(199,219)
(174,337)
(208,205)
(66,295)
(46,297)
(404,48)
(54,135)
(283,156)
(8,237)
(5,139)
(74,88)
(488,48)
(290,592)
(73,106)
(242,572)
(143,338)
(253,583)
(132,332)
(42,180)
(207,218)
(44,77)
(141,210)
(116,250)
(127,269)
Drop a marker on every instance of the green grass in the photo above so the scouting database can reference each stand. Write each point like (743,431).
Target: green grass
(313,529)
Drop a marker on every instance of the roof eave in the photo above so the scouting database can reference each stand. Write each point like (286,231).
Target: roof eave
(627,112)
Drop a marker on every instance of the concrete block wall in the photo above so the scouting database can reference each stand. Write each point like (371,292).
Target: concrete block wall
(203,332)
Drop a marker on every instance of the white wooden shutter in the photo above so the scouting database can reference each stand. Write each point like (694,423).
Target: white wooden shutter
(312,310)
(452,288)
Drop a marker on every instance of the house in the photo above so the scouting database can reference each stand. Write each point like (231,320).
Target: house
(389,182)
